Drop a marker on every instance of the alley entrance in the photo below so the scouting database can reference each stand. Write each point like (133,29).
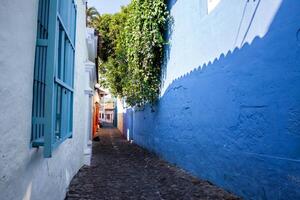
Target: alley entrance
(121,170)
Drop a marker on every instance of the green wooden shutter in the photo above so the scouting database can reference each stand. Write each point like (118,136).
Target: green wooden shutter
(52,110)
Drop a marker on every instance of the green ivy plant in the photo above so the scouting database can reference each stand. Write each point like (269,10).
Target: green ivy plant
(132,50)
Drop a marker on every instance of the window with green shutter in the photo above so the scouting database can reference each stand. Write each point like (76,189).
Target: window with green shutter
(52,109)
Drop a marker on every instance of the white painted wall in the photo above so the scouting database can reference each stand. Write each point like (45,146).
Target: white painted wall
(120,116)
(91,43)
(24,172)
(211,5)
(91,97)
(208,35)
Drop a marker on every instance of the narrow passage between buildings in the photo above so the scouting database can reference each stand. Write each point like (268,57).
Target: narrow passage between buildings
(121,170)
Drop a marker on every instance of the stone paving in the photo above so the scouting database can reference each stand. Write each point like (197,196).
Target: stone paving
(121,170)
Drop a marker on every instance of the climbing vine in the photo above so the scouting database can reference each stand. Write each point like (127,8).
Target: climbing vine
(132,50)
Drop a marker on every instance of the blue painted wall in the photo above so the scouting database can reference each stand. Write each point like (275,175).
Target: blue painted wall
(128,124)
(236,120)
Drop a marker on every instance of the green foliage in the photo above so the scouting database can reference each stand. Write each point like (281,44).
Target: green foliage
(91,16)
(132,50)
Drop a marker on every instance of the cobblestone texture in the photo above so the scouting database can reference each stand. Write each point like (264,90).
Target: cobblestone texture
(121,170)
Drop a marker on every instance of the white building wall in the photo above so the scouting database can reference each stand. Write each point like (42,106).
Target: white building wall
(91,97)
(120,116)
(24,172)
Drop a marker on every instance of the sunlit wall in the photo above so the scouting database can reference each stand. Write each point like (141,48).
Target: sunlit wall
(230,110)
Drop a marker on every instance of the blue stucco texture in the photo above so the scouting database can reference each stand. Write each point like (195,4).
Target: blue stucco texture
(236,121)
(128,124)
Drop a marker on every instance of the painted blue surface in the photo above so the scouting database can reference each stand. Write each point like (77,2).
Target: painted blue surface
(52,114)
(128,123)
(115,119)
(234,121)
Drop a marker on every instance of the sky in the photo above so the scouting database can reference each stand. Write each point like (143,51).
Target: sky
(107,6)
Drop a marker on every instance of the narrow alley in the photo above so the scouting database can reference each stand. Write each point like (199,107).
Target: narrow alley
(150,100)
(121,170)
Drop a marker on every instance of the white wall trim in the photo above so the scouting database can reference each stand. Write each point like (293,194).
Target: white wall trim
(89,92)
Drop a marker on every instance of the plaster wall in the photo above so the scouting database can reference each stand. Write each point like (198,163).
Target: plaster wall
(120,115)
(230,112)
(128,124)
(231,24)
(120,125)
(90,98)
(24,172)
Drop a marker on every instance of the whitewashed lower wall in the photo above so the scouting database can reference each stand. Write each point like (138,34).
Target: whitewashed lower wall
(24,172)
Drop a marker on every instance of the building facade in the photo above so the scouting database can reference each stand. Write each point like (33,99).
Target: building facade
(229,108)
(107,110)
(46,104)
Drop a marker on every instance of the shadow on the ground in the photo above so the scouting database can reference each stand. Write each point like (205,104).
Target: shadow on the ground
(121,170)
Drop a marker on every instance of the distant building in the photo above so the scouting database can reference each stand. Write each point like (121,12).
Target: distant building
(107,109)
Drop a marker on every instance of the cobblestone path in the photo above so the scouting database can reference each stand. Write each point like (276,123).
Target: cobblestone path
(121,170)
